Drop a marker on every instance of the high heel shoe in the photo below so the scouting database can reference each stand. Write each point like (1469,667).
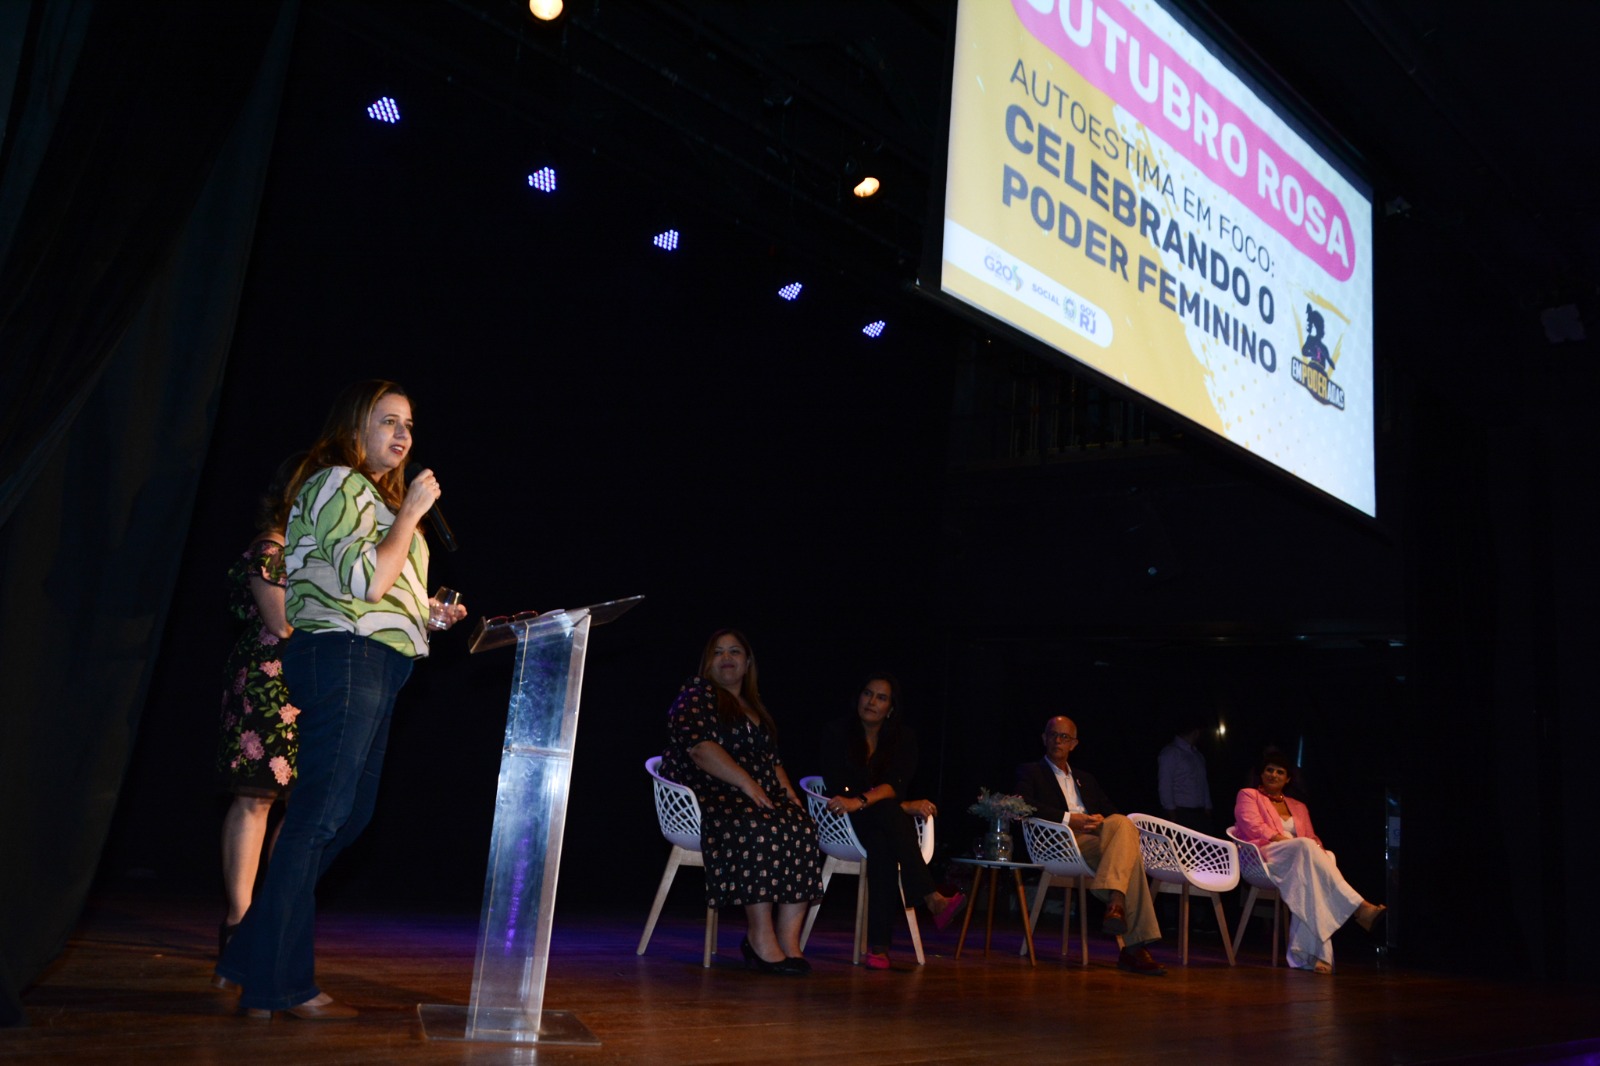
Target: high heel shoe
(952,907)
(753,961)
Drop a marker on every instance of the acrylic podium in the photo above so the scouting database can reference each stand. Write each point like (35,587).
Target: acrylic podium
(519,891)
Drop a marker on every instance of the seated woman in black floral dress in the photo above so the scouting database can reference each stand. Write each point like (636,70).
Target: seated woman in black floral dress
(759,844)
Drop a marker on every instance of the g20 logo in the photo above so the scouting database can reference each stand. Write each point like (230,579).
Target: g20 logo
(1003,270)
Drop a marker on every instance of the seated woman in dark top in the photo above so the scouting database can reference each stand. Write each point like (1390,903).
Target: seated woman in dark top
(759,843)
(867,761)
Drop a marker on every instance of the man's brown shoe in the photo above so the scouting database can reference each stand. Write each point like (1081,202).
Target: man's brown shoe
(1115,922)
(1139,960)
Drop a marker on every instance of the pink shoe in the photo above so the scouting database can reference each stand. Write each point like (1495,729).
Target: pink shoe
(875,960)
(942,920)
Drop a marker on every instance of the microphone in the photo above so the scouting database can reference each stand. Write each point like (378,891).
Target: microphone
(441,528)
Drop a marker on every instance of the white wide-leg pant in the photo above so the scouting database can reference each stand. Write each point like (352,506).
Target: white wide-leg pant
(1319,899)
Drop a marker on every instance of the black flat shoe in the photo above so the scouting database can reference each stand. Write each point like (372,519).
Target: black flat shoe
(753,961)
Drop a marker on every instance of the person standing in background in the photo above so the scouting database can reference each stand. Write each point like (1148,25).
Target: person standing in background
(256,757)
(1181,780)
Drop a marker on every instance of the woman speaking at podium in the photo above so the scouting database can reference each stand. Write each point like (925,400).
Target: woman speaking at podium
(357,570)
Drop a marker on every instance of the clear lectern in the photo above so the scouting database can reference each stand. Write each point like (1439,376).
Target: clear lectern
(519,891)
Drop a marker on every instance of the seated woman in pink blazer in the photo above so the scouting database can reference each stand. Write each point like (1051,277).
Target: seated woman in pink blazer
(1317,895)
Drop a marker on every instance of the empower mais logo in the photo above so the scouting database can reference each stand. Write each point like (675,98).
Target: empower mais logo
(1314,368)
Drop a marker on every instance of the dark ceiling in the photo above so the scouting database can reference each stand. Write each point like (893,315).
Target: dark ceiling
(1468,124)
(1468,119)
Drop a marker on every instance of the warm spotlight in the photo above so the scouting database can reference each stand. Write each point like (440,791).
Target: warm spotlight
(791,291)
(544,10)
(866,187)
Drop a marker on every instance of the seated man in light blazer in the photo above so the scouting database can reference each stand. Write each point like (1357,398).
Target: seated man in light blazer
(1108,841)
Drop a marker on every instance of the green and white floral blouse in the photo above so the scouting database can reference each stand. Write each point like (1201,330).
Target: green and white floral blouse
(332,551)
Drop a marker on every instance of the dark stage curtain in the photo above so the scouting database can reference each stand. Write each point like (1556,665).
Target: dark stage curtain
(136,147)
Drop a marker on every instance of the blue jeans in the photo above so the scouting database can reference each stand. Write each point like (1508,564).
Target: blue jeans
(345,687)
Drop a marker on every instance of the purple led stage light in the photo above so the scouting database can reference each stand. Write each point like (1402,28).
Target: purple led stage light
(384,110)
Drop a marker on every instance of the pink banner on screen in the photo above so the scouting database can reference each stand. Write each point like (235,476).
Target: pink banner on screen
(1121,57)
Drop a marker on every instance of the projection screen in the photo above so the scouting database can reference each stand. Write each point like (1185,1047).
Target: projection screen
(1117,192)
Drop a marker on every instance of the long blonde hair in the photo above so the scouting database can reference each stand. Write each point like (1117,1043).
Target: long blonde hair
(341,442)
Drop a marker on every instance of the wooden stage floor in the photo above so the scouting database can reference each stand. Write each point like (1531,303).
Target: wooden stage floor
(131,987)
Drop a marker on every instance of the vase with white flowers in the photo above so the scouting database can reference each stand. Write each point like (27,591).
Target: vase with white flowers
(998,809)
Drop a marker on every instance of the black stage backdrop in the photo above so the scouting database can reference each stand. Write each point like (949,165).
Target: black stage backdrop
(128,202)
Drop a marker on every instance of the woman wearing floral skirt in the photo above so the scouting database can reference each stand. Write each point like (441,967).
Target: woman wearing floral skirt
(257,756)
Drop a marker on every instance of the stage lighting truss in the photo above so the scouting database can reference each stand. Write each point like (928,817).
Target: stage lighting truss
(667,240)
(384,109)
(875,329)
(543,179)
(791,291)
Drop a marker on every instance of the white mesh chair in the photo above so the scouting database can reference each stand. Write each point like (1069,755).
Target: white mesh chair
(678,812)
(1053,846)
(1185,862)
(1253,871)
(845,855)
